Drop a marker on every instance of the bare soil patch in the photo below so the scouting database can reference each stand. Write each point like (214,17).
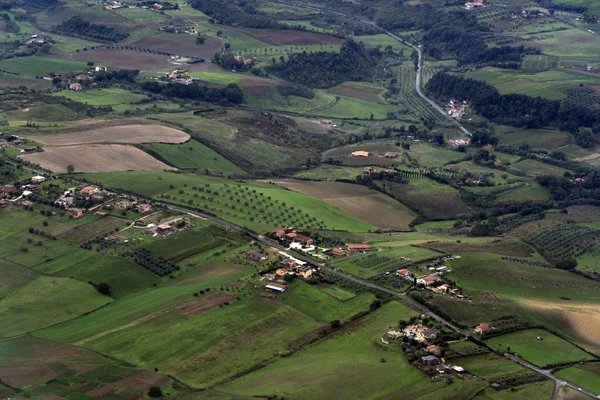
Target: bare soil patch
(204,305)
(22,376)
(96,158)
(580,319)
(123,59)
(284,37)
(326,190)
(183,45)
(266,300)
(140,380)
(357,91)
(117,134)
(13,81)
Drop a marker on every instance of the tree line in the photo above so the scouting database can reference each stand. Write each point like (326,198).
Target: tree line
(79,26)
(324,69)
(231,92)
(226,13)
(512,109)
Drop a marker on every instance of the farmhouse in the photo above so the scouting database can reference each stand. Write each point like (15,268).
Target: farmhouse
(276,287)
(144,208)
(303,240)
(430,360)
(89,190)
(482,328)
(81,76)
(9,190)
(428,280)
(75,87)
(434,350)
(338,252)
(403,273)
(64,202)
(29,149)
(394,334)
(254,256)
(111,238)
(360,154)
(37,179)
(391,154)
(74,212)
(280,233)
(123,205)
(370,170)
(420,332)
(359,247)
(3,203)
(162,228)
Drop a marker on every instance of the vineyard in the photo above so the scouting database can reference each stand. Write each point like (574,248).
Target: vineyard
(408,95)
(564,241)
(277,51)
(583,96)
(538,63)
(584,213)
(490,13)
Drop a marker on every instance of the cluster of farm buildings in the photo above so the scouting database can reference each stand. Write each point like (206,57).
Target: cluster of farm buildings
(79,82)
(456,109)
(18,142)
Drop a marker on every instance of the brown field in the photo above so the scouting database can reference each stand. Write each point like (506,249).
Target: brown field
(183,45)
(22,376)
(124,59)
(580,319)
(15,81)
(96,158)
(117,134)
(285,37)
(488,297)
(567,393)
(359,201)
(358,91)
(203,305)
(140,380)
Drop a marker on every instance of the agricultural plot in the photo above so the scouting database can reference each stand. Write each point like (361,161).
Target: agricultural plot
(195,155)
(539,62)
(350,108)
(365,204)
(16,81)
(329,173)
(287,37)
(47,301)
(360,91)
(258,206)
(548,351)
(115,134)
(489,366)
(103,97)
(548,84)
(536,168)
(114,58)
(96,158)
(353,355)
(537,138)
(182,45)
(564,241)
(385,260)
(384,40)
(432,199)
(528,192)
(587,376)
(569,42)
(39,66)
(537,390)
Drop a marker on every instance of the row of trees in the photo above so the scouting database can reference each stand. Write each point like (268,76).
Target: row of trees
(324,69)
(512,109)
(159,266)
(79,26)
(226,13)
(231,92)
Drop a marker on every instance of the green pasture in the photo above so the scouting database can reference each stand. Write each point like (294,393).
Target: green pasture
(536,168)
(432,199)
(384,40)
(14,277)
(141,16)
(65,261)
(590,261)
(587,376)
(489,366)
(570,42)
(546,84)
(329,173)
(348,108)
(307,211)
(102,97)
(31,249)
(321,306)
(339,292)
(195,155)
(46,301)
(533,191)
(100,227)
(274,100)
(536,390)
(68,44)
(550,350)
(548,139)
(33,66)
(385,260)
(305,24)
(348,362)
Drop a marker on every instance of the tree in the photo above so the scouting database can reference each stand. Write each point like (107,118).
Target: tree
(104,288)
(568,264)
(155,391)
(70,168)
(200,40)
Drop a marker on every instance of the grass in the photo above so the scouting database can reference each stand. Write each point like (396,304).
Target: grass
(537,390)
(537,138)
(153,184)
(321,306)
(339,293)
(384,40)
(39,251)
(385,260)
(102,97)
(347,363)
(101,227)
(122,275)
(347,107)
(587,376)
(489,366)
(65,261)
(37,66)
(195,155)
(329,173)
(569,42)
(536,168)
(550,350)
(47,301)
(306,25)
(547,84)
(530,192)
(14,277)
(141,16)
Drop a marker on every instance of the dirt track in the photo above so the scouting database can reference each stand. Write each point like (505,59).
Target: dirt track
(96,158)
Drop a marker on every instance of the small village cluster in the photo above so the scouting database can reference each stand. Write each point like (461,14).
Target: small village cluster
(456,109)
(78,82)
(11,194)
(7,140)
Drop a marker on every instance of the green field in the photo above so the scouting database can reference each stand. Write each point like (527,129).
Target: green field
(101,227)
(537,390)
(530,192)
(547,84)
(384,40)
(347,107)
(536,168)
(537,138)
(550,350)
(569,42)
(102,97)
(47,301)
(352,356)
(313,211)
(489,366)
(587,376)
(38,66)
(385,260)
(195,155)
